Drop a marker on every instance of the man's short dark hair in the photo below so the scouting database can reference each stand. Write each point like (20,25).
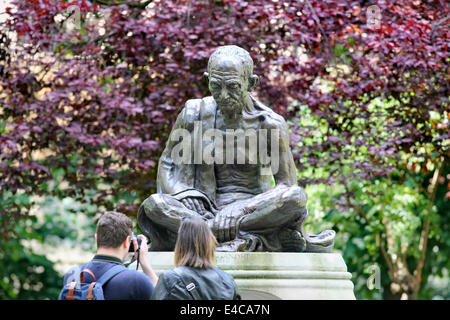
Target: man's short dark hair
(112,229)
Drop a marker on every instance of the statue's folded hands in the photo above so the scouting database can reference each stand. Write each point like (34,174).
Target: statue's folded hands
(225,225)
(197,204)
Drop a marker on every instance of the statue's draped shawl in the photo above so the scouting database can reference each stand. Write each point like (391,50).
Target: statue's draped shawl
(183,180)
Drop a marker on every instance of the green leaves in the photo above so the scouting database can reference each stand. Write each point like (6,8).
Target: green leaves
(23,273)
(394,209)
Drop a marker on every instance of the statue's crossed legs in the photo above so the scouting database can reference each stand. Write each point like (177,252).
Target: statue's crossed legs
(267,221)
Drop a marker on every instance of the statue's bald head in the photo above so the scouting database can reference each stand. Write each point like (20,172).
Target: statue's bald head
(234,54)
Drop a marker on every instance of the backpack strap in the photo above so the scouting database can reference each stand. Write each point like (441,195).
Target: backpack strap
(87,271)
(111,273)
(191,288)
(71,290)
(90,296)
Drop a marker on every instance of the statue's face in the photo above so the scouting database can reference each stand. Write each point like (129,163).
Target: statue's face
(227,83)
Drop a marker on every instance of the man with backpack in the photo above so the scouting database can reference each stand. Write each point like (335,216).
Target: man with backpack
(105,277)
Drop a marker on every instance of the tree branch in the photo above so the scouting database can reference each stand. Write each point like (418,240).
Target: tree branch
(316,18)
(427,221)
(437,24)
(385,256)
(358,209)
(378,238)
(118,3)
(87,41)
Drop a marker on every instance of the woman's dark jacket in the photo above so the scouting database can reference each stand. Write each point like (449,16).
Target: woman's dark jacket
(187,283)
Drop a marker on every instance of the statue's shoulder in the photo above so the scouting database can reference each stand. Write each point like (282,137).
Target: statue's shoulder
(272,120)
(193,107)
(191,110)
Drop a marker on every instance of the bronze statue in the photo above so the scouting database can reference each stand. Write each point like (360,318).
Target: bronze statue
(250,203)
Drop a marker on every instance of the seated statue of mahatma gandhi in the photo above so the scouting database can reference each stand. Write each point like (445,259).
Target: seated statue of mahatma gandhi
(228,160)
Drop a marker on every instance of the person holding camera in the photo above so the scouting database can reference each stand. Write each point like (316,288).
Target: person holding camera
(114,236)
(195,276)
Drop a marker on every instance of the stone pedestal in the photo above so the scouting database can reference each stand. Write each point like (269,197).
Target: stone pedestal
(279,275)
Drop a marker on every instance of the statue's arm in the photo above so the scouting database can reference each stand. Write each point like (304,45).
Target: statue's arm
(169,180)
(166,163)
(286,173)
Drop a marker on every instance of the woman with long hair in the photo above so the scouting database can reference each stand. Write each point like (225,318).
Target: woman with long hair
(195,276)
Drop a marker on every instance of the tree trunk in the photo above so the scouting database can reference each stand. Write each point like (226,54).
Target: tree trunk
(403,287)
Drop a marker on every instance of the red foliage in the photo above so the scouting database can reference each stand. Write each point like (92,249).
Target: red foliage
(75,95)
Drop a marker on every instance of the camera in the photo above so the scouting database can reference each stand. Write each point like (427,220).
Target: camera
(139,240)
